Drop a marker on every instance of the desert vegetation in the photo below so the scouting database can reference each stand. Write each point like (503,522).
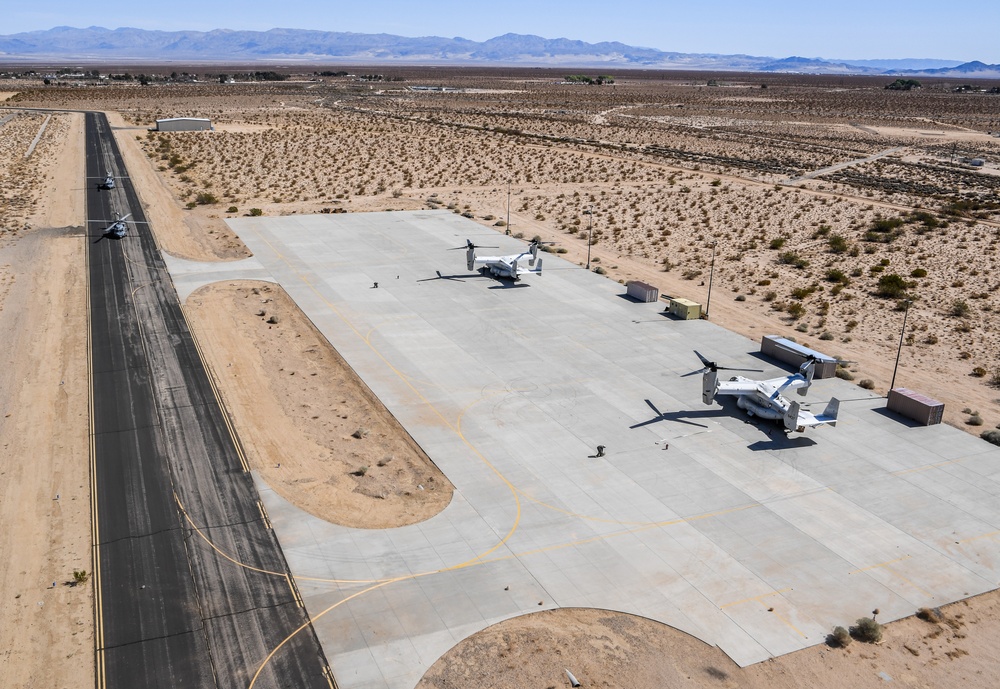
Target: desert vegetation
(835,204)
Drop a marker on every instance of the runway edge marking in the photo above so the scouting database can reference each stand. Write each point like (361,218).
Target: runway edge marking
(99,666)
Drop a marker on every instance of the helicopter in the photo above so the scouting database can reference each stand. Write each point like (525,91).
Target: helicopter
(118,229)
(106,183)
(503,266)
(763,398)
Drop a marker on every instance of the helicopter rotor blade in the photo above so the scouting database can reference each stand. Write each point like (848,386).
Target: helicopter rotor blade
(706,362)
(730,368)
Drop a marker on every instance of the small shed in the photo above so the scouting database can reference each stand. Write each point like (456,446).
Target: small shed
(913,405)
(184,124)
(642,292)
(684,308)
(783,349)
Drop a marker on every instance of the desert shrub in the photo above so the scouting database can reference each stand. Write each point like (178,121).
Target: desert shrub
(959,309)
(844,374)
(974,420)
(740,297)
(991,437)
(979,372)
(205,198)
(80,576)
(868,630)
(770,295)
(837,275)
(884,230)
(886,224)
(793,259)
(840,637)
(232,209)
(256,212)
(600,270)
(802,292)
(867,384)
(777,243)
(918,273)
(892,286)
(837,243)
(795,309)
(929,615)
(827,335)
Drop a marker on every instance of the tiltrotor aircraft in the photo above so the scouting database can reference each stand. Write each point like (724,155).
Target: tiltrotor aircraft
(503,266)
(763,398)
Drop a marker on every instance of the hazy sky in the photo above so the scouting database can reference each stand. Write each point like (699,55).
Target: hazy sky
(958,29)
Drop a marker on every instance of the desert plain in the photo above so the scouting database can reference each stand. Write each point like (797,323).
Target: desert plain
(824,209)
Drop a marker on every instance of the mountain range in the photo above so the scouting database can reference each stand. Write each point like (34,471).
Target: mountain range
(291,46)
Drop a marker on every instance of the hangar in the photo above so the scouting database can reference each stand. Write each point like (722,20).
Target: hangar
(184,124)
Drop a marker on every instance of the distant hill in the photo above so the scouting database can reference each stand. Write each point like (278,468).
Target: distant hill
(98,44)
(969,70)
(904,64)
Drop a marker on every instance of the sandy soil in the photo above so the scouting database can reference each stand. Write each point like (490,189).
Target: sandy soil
(46,622)
(607,649)
(310,426)
(669,167)
(296,155)
(195,237)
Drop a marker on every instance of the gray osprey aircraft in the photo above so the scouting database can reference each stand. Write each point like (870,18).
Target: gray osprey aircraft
(763,398)
(106,183)
(503,266)
(118,229)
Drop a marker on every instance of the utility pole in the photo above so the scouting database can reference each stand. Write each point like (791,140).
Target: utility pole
(899,350)
(508,206)
(711,275)
(590,234)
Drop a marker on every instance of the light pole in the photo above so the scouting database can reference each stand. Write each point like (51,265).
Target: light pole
(711,275)
(590,233)
(508,206)
(899,350)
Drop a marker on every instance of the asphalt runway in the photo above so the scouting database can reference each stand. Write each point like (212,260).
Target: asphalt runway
(192,589)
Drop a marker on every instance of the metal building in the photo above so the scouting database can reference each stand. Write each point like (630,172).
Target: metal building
(184,124)
(684,308)
(793,353)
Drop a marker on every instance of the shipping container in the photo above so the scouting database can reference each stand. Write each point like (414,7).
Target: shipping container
(913,405)
(642,291)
